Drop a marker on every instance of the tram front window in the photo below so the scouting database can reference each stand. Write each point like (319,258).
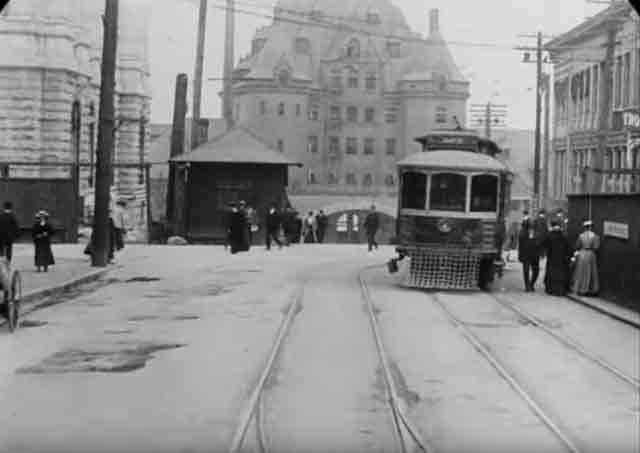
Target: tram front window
(484,193)
(414,190)
(448,192)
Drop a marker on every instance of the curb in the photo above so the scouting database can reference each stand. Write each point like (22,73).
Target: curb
(30,299)
(596,307)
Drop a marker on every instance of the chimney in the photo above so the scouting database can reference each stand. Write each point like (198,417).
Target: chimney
(434,26)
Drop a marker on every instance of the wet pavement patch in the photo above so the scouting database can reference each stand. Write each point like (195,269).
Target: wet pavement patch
(185,318)
(142,279)
(129,357)
(118,331)
(143,318)
(26,323)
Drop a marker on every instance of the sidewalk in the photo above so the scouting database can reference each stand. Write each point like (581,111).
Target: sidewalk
(618,312)
(72,268)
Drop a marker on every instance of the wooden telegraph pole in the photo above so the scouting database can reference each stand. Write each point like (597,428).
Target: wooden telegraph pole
(177,142)
(101,236)
(487,121)
(547,139)
(536,155)
(227,108)
(197,74)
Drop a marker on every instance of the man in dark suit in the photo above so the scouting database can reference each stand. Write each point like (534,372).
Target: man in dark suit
(273,221)
(371,224)
(529,254)
(9,230)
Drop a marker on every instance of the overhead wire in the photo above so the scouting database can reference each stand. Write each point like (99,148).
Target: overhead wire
(341,25)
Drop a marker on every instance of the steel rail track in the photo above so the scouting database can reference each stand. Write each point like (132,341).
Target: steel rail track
(567,341)
(506,375)
(402,424)
(255,401)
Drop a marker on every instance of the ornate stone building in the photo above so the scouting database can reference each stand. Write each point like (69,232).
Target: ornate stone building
(49,93)
(579,56)
(344,87)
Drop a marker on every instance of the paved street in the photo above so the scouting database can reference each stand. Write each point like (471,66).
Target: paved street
(163,356)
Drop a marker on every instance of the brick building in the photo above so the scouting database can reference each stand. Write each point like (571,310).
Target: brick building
(346,102)
(49,96)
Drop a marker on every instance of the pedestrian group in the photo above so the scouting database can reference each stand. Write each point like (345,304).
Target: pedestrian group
(284,227)
(568,269)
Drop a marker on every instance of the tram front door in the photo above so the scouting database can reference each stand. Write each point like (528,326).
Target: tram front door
(348,228)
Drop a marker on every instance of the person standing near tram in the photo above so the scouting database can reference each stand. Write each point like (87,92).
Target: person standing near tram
(529,254)
(585,276)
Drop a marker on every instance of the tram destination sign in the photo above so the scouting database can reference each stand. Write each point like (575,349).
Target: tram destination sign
(451,141)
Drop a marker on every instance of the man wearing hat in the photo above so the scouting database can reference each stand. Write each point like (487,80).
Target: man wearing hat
(585,276)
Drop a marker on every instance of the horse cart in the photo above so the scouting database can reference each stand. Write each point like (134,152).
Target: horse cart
(11,288)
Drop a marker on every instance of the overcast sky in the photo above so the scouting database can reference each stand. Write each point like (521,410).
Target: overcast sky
(495,73)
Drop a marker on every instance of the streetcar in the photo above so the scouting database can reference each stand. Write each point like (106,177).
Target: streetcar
(452,201)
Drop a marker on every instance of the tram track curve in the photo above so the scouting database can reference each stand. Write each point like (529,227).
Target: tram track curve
(567,341)
(537,409)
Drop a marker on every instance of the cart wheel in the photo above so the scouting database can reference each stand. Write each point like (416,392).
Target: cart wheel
(13,301)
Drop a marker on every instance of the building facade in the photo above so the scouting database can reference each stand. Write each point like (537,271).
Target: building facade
(345,87)
(579,57)
(49,95)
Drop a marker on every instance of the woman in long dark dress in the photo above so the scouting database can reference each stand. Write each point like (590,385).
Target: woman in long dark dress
(42,232)
(558,251)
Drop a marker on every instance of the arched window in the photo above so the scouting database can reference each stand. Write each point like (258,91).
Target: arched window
(351,179)
(281,109)
(263,107)
(353,49)
(311,177)
(367,180)
(484,193)
(303,47)
(448,192)
(280,145)
(352,78)
(414,190)
(283,76)
(333,179)
(390,181)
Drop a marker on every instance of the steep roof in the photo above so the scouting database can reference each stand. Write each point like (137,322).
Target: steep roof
(464,160)
(237,146)
(616,10)
(419,59)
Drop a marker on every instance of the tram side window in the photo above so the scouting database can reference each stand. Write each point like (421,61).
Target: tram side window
(448,192)
(414,190)
(484,193)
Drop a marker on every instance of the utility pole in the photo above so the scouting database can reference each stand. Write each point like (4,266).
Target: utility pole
(101,237)
(197,74)
(547,139)
(536,153)
(177,140)
(227,109)
(604,108)
(487,121)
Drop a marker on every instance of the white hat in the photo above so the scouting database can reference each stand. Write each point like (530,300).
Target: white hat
(587,223)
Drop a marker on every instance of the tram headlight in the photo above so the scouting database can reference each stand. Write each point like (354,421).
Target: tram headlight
(444,226)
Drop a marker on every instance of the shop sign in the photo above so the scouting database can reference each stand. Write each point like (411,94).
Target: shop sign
(631,120)
(616,229)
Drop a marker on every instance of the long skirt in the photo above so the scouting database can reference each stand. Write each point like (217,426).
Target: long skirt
(585,275)
(44,254)
(556,279)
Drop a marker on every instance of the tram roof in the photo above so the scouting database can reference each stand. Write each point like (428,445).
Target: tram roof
(460,160)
